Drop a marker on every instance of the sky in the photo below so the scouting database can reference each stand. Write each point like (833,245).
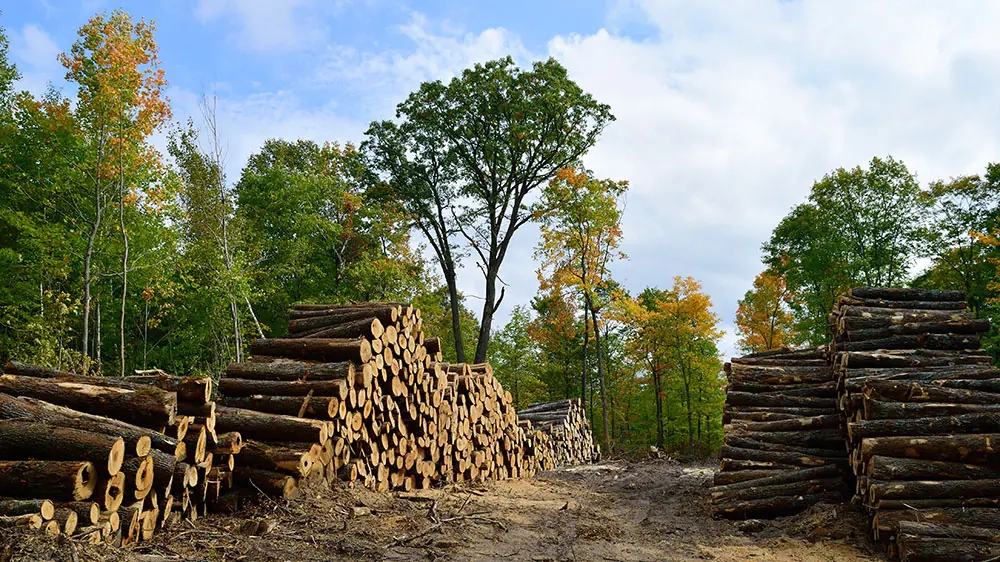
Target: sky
(727,110)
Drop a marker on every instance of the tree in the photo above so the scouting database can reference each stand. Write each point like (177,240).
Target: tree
(422,176)
(763,320)
(516,360)
(580,238)
(862,226)
(119,106)
(508,131)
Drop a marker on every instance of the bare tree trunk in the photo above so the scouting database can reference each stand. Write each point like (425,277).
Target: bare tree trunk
(121,225)
(91,241)
(490,306)
(97,337)
(658,390)
(455,305)
(583,372)
(600,374)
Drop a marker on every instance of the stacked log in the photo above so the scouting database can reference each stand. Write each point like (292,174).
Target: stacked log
(117,458)
(784,447)
(921,406)
(361,395)
(566,424)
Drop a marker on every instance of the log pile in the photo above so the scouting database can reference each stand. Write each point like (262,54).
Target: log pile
(105,459)
(357,393)
(784,446)
(566,424)
(921,405)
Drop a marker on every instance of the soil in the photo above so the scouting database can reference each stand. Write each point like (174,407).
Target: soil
(655,510)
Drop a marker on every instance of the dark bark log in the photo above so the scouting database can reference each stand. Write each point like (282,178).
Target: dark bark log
(773,506)
(291,371)
(792,459)
(149,407)
(932,489)
(934,549)
(386,315)
(316,407)
(894,468)
(988,385)
(816,390)
(965,423)
(976,449)
(955,531)
(197,390)
(818,422)
(269,427)
(908,358)
(433,346)
(21,439)
(744,443)
(357,350)
(817,438)
(929,341)
(779,401)
(729,416)
(548,406)
(270,483)
(769,362)
(784,477)
(743,476)
(974,326)
(244,387)
(369,328)
(901,294)
(740,465)
(906,305)
(862,318)
(786,353)
(916,392)
(45,508)
(919,510)
(87,512)
(879,410)
(799,412)
(294,462)
(762,491)
(110,492)
(56,480)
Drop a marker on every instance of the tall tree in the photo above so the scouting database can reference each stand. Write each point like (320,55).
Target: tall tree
(580,238)
(763,320)
(119,106)
(509,131)
(422,174)
(516,359)
(862,226)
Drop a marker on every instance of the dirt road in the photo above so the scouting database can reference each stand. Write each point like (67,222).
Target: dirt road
(649,511)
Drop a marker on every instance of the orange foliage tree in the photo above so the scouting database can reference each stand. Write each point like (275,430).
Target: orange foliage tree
(763,320)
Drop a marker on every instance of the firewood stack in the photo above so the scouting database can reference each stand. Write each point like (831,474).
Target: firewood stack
(102,458)
(784,447)
(566,424)
(922,409)
(363,397)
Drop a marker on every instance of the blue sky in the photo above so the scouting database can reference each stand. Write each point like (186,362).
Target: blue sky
(727,110)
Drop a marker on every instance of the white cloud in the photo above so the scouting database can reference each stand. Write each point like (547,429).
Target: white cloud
(269,25)
(36,56)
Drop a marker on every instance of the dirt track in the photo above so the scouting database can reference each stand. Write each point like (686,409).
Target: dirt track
(649,511)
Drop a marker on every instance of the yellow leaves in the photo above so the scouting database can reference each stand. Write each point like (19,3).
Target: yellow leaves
(762,317)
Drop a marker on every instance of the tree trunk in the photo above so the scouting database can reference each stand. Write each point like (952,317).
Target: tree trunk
(901,294)
(269,427)
(357,350)
(57,480)
(267,482)
(243,387)
(600,375)
(292,371)
(23,439)
(386,315)
(894,468)
(977,449)
(454,306)
(315,407)
(295,462)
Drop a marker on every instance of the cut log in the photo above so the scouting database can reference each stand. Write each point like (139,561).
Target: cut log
(357,350)
(267,482)
(818,422)
(110,492)
(911,305)
(773,506)
(385,315)
(976,449)
(269,427)
(762,491)
(744,443)
(246,387)
(793,459)
(893,468)
(58,480)
(45,508)
(780,401)
(26,439)
(965,423)
(929,341)
(30,521)
(150,407)
(909,358)
(818,473)
(818,438)
(863,318)
(197,390)
(932,489)
(880,410)
(916,392)
(740,476)
(936,549)
(888,520)
(291,371)
(364,328)
(87,512)
(903,294)
(295,462)
(973,326)
(817,390)
(315,407)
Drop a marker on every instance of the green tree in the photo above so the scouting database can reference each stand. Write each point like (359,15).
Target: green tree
(862,226)
(516,359)
(508,131)
(763,320)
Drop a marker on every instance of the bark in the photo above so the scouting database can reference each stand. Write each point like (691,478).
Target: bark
(269,427)
(316,407)
(773,478)
(149,407)
(773,506)
(291,371)
(56,480)
(912,358)
(819,438)
(933,489)
(386,315)
(901,294)
(915,392)
(270,483)
(906,305)
(365,328)
(197,390)
(781,401)
(87,512)
(816,390)
(792,459)
(893,468)
(294,462)
(23,439)
(45,508)
(975,326)
(244,387)
(879,410)
(977,449)
(746,443)
(929,341)
(817,422)
(764,491)
(972,516)
(739,476)
(356,350)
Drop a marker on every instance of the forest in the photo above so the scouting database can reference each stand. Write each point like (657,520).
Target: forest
(122,252)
